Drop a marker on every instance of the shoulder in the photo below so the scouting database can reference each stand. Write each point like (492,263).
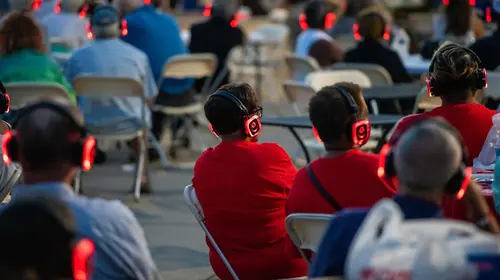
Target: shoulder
(348,219)
(200,162)
(272,150)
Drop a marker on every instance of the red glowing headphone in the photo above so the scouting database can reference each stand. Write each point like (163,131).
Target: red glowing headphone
(82,254)
(456,185)
(358,130)
(315,11)
(83,146)
(471,2)
(101,8)
(36,4)
(251,121)
(83,11)
(477,81)
(329,21)
(235,19)
(387,28)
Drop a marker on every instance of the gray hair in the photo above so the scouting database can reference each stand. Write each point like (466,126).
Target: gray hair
(106,31)
(19,5)
(71,6)
(426,157)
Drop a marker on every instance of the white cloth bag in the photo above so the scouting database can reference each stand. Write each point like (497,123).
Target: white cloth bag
(387,247)
(487,157)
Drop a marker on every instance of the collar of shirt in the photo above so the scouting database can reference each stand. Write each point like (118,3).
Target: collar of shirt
(417,208)
(57,189)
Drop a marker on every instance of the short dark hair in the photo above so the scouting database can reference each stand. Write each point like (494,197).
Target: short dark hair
(44,139)
(458,17)
(316,11)
(454,72)
(20,32)
(371,23)
(224,116)
(329,111)
(40,232)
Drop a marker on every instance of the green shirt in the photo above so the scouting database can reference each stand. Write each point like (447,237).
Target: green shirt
(32,66)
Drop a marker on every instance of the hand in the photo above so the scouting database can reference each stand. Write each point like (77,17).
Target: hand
(478,208)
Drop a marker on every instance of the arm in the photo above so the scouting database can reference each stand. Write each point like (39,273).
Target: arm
(278,168)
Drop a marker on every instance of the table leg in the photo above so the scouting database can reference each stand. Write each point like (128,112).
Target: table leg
(258,74)
(301,143)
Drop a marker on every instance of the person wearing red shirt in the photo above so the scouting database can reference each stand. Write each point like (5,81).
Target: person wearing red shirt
(455,77)
(348,175)
(242,187)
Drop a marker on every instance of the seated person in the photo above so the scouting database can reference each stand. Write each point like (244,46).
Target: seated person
(111,57)
(217,36)
(372,26)
(487,48)
(255,178)
(314,41)
(431,147)
(158,36)
(23,54)
(42,235)
(338,171)
(44,8)
(456,78)
(67,24)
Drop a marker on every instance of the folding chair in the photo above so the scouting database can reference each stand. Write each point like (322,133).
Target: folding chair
(10,182)
(425,102)
(59,44)
(377,74)
(306,230)
(320,79)
(194,206)
(301,66)
(202,65)
(123,129)
(23,93)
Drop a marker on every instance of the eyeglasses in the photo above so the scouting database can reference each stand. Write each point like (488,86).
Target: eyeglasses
(258,111)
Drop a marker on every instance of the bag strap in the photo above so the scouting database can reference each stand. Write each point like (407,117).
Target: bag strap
(321,190)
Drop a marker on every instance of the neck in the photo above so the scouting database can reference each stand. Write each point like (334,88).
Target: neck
(430,196)
(334,149)
(470,99)
(46,177)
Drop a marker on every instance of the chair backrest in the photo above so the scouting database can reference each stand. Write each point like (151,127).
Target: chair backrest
(378,75)
(321,79)
(298,95)
(273,32)
(200,65)
(193,203)
(425,102)
(27,92)
(65,44)
(306,230)
(99,86)
(493,89)
(301,66)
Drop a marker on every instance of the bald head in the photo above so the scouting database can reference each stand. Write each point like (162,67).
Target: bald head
(426,157)
(128,6)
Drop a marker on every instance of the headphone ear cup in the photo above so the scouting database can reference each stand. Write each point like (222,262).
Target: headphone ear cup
(390,171)
(253,126)
(430,86)
(453,185)
(482,79)
(9,147)
(360,132)
(86,151)
(4,103)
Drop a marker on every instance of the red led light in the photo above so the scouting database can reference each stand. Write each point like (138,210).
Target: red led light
(465,184)
(208,10)
(330,20)
(57,9)
(488,14)
(88,153)
(8,102)
(37,4)
(7,137)
(302,22)
(381,160)
(83,12)
(316,135)
(147,2)
(446,2)
(89,32)
(124,28)
(81,259)
(355,30)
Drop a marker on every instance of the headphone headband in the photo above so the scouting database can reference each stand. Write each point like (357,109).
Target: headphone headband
(448,47)
(225,94)
(353,107)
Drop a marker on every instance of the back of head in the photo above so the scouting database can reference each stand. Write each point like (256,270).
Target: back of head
(105,22)
(427,156)
(316,12)
(225,9)
(372,23)
(40,233)
(71,6)
(224,115)
(21,5)
(454,72)
(330,113)
(46,137)
(18,32)
(458,17)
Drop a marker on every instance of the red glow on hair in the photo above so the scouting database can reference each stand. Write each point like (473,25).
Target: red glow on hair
(7,137)
(81,256)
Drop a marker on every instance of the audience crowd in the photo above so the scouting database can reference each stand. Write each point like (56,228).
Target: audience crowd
(246,188)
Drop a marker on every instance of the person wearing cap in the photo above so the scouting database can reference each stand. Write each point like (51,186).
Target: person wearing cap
(431,147)
(109,56)
(44,149)
(486,48)
(216,35)
(158,35)
(67,24)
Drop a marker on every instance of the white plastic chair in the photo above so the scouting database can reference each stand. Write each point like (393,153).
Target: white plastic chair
(378,75)
(11,181)
(301,66)
(194,206)
(125,129)
(67,43)
(324,78)
(306,230)
(23,93)
(425,102)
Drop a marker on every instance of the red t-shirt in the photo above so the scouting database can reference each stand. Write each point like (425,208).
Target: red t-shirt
(350,178)
(473,122)
(242,188)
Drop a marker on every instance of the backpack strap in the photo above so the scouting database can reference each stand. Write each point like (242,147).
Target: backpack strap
(322,190)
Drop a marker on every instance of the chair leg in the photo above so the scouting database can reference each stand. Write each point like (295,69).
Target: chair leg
(140,168)
(159,150)
(78,182)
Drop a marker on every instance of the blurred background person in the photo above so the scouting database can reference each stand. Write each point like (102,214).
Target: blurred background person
(217,36)
(430,147)
(23,57)
(373,26)
(251,229)
(314,41)
(109,56)
(67,24)
(348,18)
(46,153)
(158,36)
(487,48)
(42,234)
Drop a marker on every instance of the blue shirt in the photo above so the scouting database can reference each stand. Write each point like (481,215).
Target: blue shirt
(330,259)
(112,58)
(69,26)
(157,35)
(121,248)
